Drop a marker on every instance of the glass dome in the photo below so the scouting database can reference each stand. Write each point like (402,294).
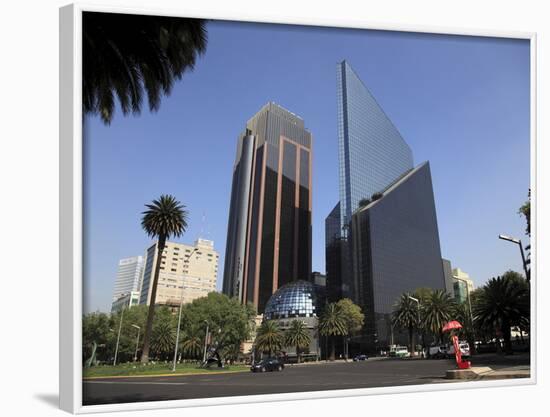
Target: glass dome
(296,299)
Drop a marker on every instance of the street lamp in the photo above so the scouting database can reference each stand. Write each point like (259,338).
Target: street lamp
(179,319)
(418,315)
(137,341)
(518,242)
(118,336)
(205,342)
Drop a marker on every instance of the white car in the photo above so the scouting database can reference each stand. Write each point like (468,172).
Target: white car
(464,349)
(438,352)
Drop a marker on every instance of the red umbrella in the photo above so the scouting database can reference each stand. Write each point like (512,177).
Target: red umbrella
(453,324)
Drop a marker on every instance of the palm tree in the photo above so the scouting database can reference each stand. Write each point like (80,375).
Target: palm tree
(437,309)
(269,337)
(297,335)
(163,218)
(405,316)
(128,56)
(162,340)
(333,323)
(193,342)
(503,303)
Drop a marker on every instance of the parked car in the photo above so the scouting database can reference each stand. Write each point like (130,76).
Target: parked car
(399,352)
(360,358)
(437,352)
(268,364)
(464,349)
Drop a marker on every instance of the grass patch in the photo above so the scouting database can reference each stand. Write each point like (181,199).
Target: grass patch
(134,369)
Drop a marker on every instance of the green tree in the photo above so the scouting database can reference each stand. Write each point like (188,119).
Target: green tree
(503,303)
(163,218)
(95,328)
(422,294)
(129,56)
(437,309)
(192,342)
(525,210)
(297,335)
(229,322)
(332,323)
(269,337)
(405,316)
(353,317)
(163,339)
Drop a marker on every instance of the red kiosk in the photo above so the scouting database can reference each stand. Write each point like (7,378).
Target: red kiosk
(449,327)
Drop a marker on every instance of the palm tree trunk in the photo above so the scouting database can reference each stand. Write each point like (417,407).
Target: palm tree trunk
(151,312)
(298,353)
(332,349)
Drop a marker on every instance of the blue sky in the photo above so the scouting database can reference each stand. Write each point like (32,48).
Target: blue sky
(460,102)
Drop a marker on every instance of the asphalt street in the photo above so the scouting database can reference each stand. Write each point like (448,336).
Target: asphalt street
(301,378)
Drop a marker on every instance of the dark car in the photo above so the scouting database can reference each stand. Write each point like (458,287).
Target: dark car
(268,364)
(360,358)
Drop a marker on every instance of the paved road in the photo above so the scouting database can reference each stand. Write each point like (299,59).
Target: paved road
(303,378)
(318,377)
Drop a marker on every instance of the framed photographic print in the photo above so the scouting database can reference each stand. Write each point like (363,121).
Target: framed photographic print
(258,210)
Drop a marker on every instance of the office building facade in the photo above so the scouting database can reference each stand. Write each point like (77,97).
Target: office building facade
(269,226)
(187,272)
(128,278)
(395,249)
(372,155)
(381,237)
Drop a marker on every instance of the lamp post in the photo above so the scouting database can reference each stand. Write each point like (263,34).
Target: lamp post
(137,341)
(205,342)
(179,319)
(118,336)
(524,262)
(417,315)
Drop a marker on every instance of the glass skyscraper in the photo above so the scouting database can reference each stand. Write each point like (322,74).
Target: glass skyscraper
(372,153)
(395,249)
(381,237)
(269,227)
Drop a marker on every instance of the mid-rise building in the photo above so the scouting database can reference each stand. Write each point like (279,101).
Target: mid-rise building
(187,272)
(128,278)
(448,272)
(462,285)
(269,226)
(125,301)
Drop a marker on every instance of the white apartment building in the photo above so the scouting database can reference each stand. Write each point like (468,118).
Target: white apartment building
(187,272)
(128,278)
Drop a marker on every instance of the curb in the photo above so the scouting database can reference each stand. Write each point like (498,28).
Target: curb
(88,378)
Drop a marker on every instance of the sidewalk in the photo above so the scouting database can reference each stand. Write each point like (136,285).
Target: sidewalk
(486,373)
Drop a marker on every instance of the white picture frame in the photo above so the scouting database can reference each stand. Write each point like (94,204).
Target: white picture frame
(71,230)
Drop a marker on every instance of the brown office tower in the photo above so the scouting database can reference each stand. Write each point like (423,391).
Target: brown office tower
(269,227)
